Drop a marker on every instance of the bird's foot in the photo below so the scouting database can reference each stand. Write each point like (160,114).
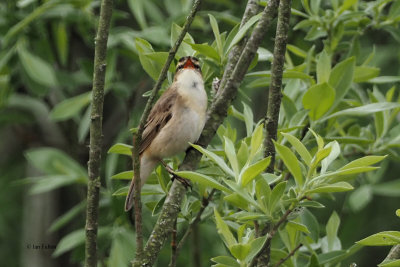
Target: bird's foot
(182,180)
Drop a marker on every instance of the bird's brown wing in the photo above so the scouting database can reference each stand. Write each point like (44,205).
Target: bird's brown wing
(159,116)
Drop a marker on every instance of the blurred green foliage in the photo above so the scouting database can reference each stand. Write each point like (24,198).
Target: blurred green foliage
(341,79)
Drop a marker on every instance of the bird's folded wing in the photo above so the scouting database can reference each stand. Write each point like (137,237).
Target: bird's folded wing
(159,116)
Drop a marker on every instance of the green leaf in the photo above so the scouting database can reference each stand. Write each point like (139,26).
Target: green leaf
(37,69)
(323,67)
(299,147)
(202,179)
(398,212)
(231,154)
(388,189)
(387,238)
(54,161)
(276,195)
(206,50)
(122,149)
(217,35)
(144,47)
(240,251)
(256,140)
(237,200)
(297,51)
(331,229)
(331,188)
(334,152)
(218,160)
(70,107)
(48,183)
(309,220)
(365,73)
(362,162)
(364,110)
(263,193)
(248,173)
(61,38)
(255,247)
(248,118)
(318,99)
(226,260)
(299,227)
(360,197)
(290,161)
(136,7)
(318,138)
(243,30)
(127,175)
(123,191)
(341,78)
(223,230)
(184,49)
(385,79)
(76,238)
(67,217)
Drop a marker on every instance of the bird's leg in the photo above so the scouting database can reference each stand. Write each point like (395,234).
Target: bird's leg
(183,181)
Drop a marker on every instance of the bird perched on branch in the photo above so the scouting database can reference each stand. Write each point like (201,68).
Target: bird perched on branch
(177,118)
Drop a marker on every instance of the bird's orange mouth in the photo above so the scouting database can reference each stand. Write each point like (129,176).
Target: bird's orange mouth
(189,64)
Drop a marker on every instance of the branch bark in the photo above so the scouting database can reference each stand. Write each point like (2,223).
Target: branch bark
(216,115)
(138,135)
(274,103)
(96,134)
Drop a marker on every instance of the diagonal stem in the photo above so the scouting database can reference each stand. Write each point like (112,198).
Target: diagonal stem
(138,135)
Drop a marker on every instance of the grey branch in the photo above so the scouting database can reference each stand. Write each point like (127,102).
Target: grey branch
(138,135)
(216,115)
(274,104)
(96,133)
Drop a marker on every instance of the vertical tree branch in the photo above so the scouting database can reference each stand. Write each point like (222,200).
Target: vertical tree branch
(216,115)
(274,103)
(96,117)
(275,93)
(138,135)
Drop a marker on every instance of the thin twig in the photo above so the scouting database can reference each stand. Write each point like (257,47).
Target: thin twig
(138,135)
(288,256)
(189,230)
(270,234)
(96,134)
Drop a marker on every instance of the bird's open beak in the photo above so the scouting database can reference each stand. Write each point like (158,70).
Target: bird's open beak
(188,64)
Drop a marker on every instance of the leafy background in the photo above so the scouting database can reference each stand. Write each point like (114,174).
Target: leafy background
(46,63)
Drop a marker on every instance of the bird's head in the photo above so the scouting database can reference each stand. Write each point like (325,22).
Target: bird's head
(188,62)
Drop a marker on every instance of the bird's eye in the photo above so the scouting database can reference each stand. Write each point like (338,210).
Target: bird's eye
(179,67)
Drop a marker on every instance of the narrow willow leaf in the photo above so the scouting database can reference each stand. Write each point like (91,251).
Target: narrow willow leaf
(334,153)
(206,50)
(256,245)
(300,227)
(70,107)
(290,161)
(364,110)
(240,251)
(248,118)
(331,229)
(217,35)
(256,140)
(276,195)
(299,147)
(365,73)
(223,230)
(37,69)
(127,175)
(331,188)
(122,149)
(363,162)
(202,179)
(218,160)
(226,261)
(387,238)
(230,152)
(341,78)
(323,67)
(318,99)
(242,31)
(250,172)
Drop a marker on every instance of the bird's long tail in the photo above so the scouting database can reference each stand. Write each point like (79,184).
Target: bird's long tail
(146,167)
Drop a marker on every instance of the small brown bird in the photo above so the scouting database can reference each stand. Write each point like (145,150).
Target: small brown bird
(177,118)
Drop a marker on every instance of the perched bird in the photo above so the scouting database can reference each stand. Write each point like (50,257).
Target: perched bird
(177,118)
